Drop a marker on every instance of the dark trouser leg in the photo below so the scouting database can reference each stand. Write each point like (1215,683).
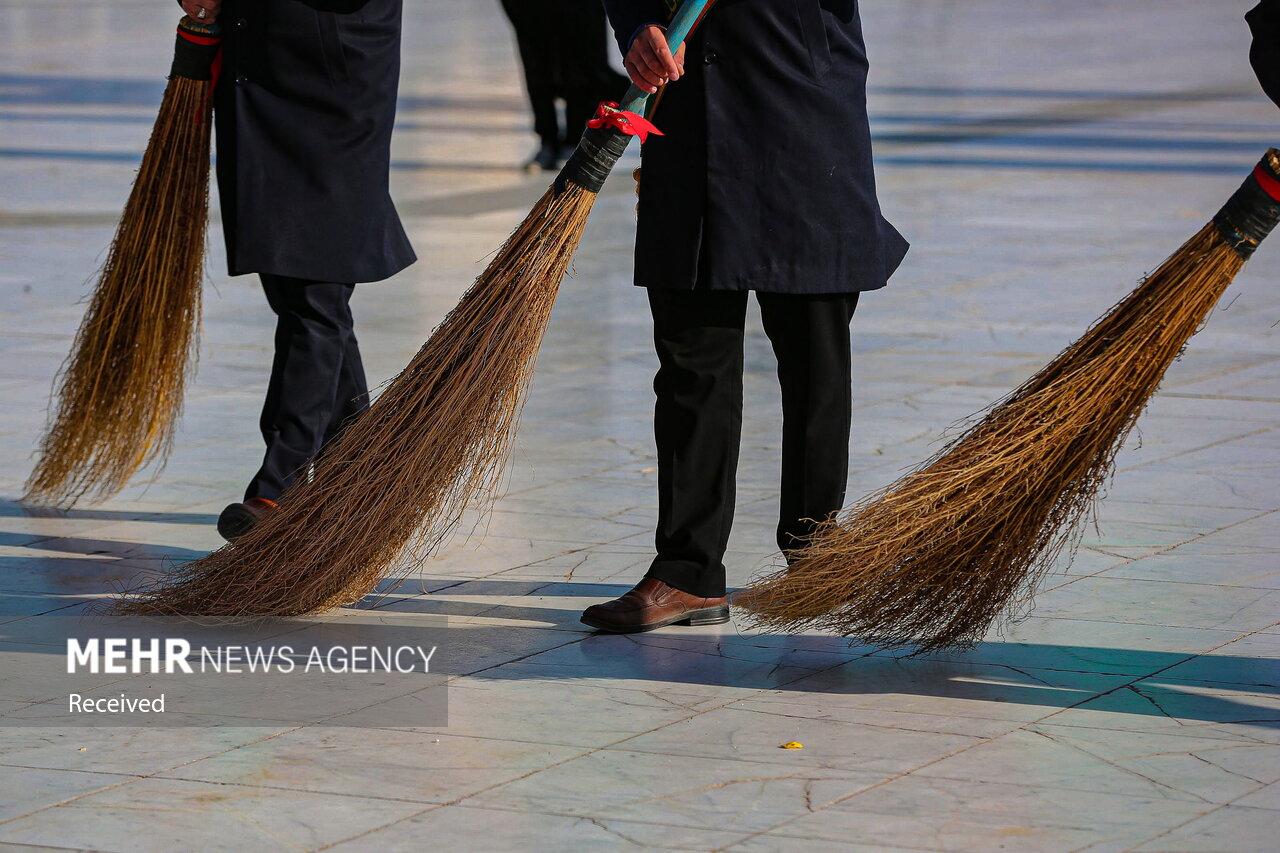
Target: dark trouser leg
(698,425)
(579,108)
(353,389)
(317,378)
(810,337)
(585,73)
(546,123)
(536,39)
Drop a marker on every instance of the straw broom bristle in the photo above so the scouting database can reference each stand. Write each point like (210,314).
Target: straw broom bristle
(934,559)
(399,478)
(120,391)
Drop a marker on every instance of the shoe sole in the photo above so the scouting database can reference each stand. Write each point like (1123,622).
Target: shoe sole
(235,522)
(694,619)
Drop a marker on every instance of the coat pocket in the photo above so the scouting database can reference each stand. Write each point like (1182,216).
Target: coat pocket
(814,31)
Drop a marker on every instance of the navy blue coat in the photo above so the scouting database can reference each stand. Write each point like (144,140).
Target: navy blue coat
(1264,21)
(304,111)
(764,179)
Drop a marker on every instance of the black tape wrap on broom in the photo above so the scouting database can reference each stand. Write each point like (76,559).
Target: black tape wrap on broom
(195,49)
(597,153)
(1254,210)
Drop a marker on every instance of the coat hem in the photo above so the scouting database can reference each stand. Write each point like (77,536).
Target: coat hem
(285,269)
(749,288)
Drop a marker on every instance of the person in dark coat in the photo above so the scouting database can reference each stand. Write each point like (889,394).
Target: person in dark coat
(564,54)
(303,111)
(1264,22)
(762,182)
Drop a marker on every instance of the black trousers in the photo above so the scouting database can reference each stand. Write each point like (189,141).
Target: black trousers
(317,378)
(698,420)
(564,52)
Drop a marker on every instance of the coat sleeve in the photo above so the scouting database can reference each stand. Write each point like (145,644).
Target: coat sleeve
(626,16)
(1264,21)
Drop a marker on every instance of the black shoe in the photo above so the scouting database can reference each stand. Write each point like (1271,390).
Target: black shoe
(547,159)
(238,519)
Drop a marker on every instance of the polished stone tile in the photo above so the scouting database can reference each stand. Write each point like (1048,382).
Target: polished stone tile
(245,818)
(1252,660)
(679,790)
(1113,648)
(1153,602)
(417,766)
(535,711)
(463,827)
(1188,707)
(1264,798)
(36,673)
(1136,697)
(944,814)
(670,660)
(1242,567)
(949,688)
(468,646)
(755,731)
(126,751)
(36,570)
(770,841)
(1206,767)
(1241,830)
(24,790)
(18,606)
(1038,759)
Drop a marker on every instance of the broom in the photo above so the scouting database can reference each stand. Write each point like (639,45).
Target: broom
(934,559)
(400,477)
(119,393)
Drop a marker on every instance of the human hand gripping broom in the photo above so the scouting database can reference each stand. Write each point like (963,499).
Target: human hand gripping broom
(119,394)
(938,557)
(398,480)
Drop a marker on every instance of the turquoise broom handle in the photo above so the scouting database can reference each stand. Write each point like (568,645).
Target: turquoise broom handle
(678,30)
(604,142)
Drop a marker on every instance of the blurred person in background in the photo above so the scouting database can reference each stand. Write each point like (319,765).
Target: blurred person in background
(303,114)
(564,51)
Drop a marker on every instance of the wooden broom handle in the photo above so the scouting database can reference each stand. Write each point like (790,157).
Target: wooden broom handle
(686,18)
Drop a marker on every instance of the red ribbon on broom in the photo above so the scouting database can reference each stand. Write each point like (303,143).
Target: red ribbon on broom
(624,121)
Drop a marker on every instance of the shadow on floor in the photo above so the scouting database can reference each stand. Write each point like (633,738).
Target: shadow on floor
(42,602)
(1187,688)
(12,509)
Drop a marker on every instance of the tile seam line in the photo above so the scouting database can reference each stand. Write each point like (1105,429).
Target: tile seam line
(1216,808)
(25,845)
(139,778)
(457,801)
(156,774)
(1261,430)
(367,832)
(1021,727)
(429,803)
(1192,819)
(1162,550)
(461,800)
(112,773)
(442,685)
(628,820)
(1169,580)
(1264,629)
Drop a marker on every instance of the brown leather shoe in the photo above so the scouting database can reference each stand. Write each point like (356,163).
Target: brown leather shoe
(653,604)
(237,519)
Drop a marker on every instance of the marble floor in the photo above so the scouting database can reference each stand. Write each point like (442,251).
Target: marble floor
(1041,156)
